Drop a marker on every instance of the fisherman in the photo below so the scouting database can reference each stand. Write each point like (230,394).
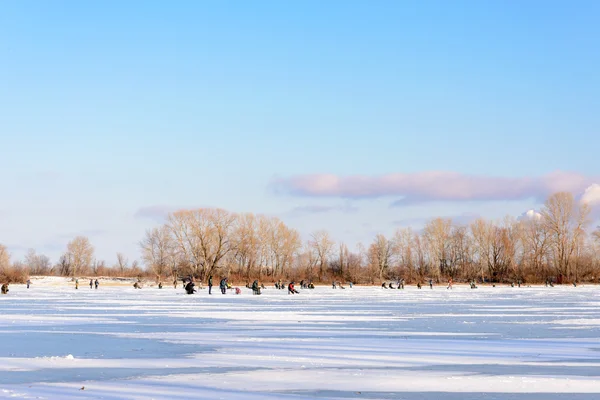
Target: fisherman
(189,287)
(160,285)
(291,289)
(175,282)
(350,285)
(255,287)
(210,284)
(391,286)
(223,285)
(96,283)
(4,288)
(311,285)
(383,285)
(137,285)
(449,284)
(430,283)
(28,283)
(76,283)
(91,283)
(418,285)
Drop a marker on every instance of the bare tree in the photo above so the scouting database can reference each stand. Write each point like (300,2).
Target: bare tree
(437,232)
(80,253)
(37,264)
(157,249)
(380,255)
(535,244)
(565,221)
(596,234)
(202,237)
(4,259)
(323,246)
(122,262)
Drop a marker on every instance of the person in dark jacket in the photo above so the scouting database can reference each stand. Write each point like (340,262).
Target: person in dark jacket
(96,283)
(4,288)
(223,285)
(91,283)
(210,284)
(255,287)
(189,287)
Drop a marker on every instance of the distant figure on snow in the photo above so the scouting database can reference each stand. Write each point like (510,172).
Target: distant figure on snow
(96,283)
(189,287)
(91,283)
(210,284)
(28,283)
(76,283)
(5,288)
(223,285)
(255,287)
(292,289)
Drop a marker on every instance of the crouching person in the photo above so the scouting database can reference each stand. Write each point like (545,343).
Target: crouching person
(292,289)
(5,288)
(189,287)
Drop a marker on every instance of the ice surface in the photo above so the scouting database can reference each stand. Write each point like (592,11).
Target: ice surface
(361,343)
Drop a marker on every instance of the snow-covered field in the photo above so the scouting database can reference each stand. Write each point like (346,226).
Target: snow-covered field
(361,343)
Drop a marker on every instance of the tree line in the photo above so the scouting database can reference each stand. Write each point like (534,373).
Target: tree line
(554,244)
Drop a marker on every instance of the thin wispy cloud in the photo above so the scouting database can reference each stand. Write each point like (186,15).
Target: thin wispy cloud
(321,209)
(158,213)
(430,186)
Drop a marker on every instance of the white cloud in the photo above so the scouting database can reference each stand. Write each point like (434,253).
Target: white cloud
(530,215)
(591,195)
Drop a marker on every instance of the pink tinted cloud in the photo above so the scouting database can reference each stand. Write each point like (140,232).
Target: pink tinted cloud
(432,186)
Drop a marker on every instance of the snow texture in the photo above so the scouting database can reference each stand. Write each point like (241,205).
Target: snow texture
(117,342)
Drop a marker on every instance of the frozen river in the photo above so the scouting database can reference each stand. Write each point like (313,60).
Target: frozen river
(361,343)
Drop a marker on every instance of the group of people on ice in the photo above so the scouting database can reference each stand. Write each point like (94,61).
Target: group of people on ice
(399,285)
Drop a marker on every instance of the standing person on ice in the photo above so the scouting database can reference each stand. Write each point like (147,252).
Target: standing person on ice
(449,284)
(223,285)
(96,283)
(28,283)
(430,283)
(210,284)
(91,283)
(76,283)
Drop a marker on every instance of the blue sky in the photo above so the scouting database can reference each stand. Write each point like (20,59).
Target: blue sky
(112,112)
